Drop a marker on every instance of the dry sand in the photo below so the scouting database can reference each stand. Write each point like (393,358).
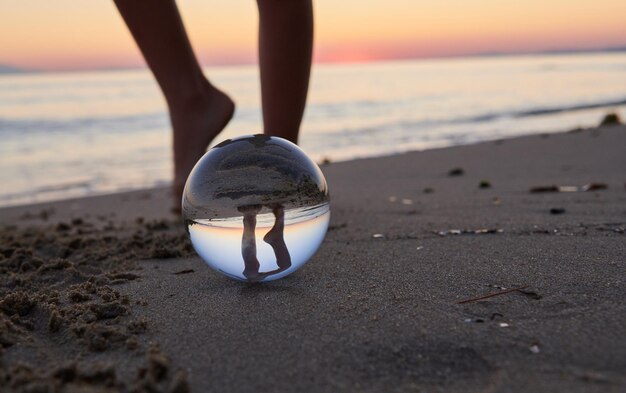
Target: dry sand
(105,293)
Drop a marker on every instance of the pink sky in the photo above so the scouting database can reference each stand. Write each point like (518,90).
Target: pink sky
(66,34)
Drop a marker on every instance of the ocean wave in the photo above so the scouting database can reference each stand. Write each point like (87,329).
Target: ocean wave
(156,120)
(541,111)
(48,189)
(477,119)
(137,122)
(573,108)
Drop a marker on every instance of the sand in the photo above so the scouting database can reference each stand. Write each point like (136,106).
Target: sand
(106,294)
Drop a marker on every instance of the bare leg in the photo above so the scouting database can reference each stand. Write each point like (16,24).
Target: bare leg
(248,243)
(198,110)
(285,47)
(275,238)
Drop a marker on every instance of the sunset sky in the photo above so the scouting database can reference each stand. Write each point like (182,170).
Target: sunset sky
(73,34)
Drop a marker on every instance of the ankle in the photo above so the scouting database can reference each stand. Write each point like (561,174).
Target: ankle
(186,101)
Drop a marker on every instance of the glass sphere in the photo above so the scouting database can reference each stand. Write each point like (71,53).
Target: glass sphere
(256,208)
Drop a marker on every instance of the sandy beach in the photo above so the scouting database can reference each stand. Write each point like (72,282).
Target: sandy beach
(106,294)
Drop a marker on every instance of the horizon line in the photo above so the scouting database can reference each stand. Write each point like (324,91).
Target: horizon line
(7,68)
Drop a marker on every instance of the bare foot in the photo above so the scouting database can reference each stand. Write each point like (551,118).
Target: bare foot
(196,122)
(275,238)
(248,243)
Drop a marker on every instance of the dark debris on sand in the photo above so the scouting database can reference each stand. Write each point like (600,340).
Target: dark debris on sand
(456,172)
(557,210)
(611,119)
(60,311)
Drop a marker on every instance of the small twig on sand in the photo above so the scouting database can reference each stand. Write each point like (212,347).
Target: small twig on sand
(186,271)
(474,299)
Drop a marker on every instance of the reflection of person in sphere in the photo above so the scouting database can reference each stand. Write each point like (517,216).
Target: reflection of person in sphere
(198,110)
(275,238)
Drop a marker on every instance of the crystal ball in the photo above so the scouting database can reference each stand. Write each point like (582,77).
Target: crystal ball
(256,208)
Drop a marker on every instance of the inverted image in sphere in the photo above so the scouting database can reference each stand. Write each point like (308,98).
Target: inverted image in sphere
(256,208)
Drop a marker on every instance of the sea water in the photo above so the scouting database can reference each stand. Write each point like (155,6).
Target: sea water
(73,134)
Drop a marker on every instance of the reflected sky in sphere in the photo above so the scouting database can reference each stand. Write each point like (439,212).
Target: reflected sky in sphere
(220,243)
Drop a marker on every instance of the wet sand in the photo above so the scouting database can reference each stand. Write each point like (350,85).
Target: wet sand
(106,294)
